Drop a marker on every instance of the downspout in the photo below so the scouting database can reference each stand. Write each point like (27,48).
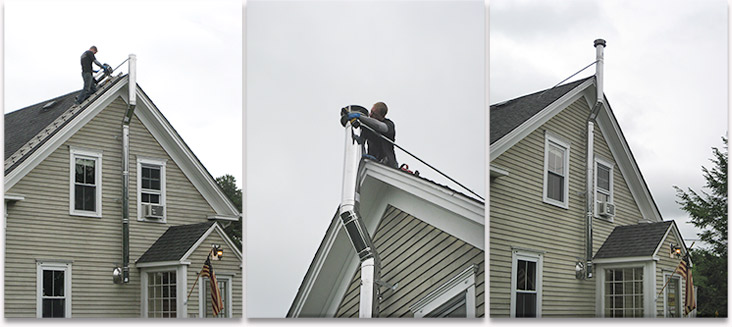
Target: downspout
(352,222)
(132,97)
(589,192)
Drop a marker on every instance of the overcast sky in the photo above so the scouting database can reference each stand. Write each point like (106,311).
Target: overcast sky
(189,62)
(306,60)
(666,65)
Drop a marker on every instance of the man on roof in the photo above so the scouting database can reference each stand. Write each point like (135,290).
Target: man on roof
(379,148)
(87,58)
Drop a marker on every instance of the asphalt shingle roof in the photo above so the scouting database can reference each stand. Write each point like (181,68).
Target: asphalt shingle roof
(23,125)
(508,115)
(175,242)
(633,240)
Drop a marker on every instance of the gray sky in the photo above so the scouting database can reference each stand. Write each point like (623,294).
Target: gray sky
(665,76)
(306,60)
(189,62)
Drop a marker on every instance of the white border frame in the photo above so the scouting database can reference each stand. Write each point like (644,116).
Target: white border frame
(679,300)
(96,155)
(163,181)
(649,286)
(181,289)
(609,164)
(551,138)
(463,282)
(527,255)
(53,265)
(202,295)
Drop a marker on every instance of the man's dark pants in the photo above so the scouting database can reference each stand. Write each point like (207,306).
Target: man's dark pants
(89,87)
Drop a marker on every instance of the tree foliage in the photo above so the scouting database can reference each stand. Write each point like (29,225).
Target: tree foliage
(708,212)
(227,183)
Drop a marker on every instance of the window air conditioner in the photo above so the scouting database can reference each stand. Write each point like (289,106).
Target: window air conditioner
(153,211)
(606,209)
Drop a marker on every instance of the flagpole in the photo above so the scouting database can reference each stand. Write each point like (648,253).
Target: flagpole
(197,276)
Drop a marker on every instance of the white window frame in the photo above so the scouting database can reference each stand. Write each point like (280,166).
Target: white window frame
(202,296)
(527,255)
(464,282)
(552,139)
(649,284)
(606,163)
(151,162)
(181,288)
(679,300)
(96,155)
(64,266)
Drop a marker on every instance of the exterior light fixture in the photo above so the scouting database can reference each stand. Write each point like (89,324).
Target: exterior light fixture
(675,250)
(218,252)
(579,270)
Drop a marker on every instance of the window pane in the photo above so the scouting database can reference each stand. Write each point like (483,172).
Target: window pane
(89,173)
(603,177)
(555,189)
(79,197)
(155,184)
(89,198)
(531,276)
(145,197)
(145,172)
(58,283)
(525,304)
(556,159)
(53,308)
(155,173)
(79,171)
(154,198)
(521,275)
(48,283)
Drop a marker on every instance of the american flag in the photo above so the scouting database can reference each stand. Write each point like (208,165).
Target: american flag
(684,271)
(208,271)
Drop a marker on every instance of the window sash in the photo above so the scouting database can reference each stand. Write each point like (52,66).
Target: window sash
(162,294)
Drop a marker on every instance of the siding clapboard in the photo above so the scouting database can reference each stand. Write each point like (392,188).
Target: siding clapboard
(40,226)
(420,258)
(520,218)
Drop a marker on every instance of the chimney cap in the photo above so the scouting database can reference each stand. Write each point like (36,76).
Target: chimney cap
(599,42)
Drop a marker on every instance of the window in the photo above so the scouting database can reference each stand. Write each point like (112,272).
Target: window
(624,292)
(526,274)
(161,294)
(556,171)
(53,283)
(603,182)
(151,189)
(205,297)
(673,296)
(454,299)
(85,182)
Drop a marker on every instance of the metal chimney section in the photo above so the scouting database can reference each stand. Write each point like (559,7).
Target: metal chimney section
(132,101)
(352,222)
(590,192)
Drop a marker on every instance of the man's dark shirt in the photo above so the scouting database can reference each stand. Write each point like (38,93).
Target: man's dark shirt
(380,148)
(86,61)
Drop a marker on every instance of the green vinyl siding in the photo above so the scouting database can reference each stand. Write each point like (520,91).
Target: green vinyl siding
(520,218)
(418,258)
(40,226)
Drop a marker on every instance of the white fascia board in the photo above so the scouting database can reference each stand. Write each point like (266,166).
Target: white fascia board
(169,139)
(335,258)
(222,217)
(430,192)
(63,134)
(161,264)
(624,259)
(626,163)
(507,141)
(672,228)
(217,228)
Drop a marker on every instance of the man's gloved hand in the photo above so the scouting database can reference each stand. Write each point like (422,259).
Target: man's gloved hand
(354,115)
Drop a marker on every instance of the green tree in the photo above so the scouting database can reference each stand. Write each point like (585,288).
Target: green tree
(227,183)
(708,212)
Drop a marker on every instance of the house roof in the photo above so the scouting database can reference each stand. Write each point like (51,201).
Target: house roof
(507,115)
(175,242)
(34,132)
(27,129)
(335,261)
(638,240)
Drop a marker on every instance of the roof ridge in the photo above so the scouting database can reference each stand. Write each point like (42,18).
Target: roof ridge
(579,81)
